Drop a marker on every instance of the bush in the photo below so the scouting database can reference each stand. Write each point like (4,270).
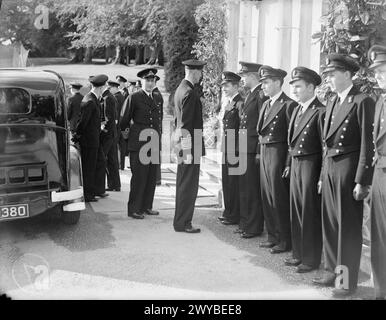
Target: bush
(210,46)
(352,27)
(180,35)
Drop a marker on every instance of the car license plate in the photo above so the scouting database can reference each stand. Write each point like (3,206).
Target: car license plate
(16,211)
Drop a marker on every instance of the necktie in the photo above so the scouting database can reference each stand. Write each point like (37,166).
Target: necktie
(299,116)
(267,109)
(335,111)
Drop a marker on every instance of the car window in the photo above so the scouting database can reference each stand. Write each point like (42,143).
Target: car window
(14,101)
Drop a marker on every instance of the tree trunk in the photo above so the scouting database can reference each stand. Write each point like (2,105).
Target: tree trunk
(78,57)
(155,50)
(118,55)
(139,55)
(88,55)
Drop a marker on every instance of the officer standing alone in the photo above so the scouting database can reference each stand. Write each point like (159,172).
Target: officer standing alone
(189,126)
(144,114)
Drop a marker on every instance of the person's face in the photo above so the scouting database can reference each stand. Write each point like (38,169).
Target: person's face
(338,80)
(270,87)
(248,80)
(302,91)
(230,89)
(380,76)
(113,89)
(148,84)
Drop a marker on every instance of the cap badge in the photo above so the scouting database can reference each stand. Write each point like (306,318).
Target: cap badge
(373,55)
(327,61)
(350,99)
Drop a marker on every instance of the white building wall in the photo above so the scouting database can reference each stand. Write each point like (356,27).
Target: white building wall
(274,32)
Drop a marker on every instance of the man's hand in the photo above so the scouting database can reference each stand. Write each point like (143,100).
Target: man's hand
(286,172)
(319,187)
(257,159)
(360,192)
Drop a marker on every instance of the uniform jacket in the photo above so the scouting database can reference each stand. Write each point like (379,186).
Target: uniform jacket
(231,121)
(159,101)
(74,109)
(380,135)
(109,106)
(89,124)
(120,100)
(249,115)
(352,131)
(306,138)
(188,113)
(144,113)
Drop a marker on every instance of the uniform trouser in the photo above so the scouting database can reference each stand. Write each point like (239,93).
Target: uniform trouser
(378,231)
(142,184)
(110,150)
(100,172)
(122,143)
(275,193)
(305,204)
(251,210)
(342,216)
(89,161)
(230,189)
(186,194)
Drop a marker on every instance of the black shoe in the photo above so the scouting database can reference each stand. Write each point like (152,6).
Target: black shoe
(292,262)
(189,230)
(151,212)
(303,268)
(136,215)
(103,195)
(227,222)
(238,230)
(327,280)
(280,248)
(114,189)
(267,244)
(341,293)
(221,218)
(91,199)
(246,235)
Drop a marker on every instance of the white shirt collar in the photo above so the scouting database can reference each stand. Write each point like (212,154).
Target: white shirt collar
(306,104)
(343,95)
(190,82)
(276,97)
(254,88)
(234,96)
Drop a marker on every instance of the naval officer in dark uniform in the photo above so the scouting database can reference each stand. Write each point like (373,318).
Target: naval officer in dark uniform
(377,55)
(73,103)
(251,210)
(122,86)
(346,174)
(87,133)
(143,111)
(272,127)
(305,149)
(230,140)
(159,100)
(190,147)
(109,136)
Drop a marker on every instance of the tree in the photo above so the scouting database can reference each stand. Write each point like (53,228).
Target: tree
(210,46)
(352,27)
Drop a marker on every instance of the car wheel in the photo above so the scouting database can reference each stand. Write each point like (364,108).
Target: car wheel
(71,217)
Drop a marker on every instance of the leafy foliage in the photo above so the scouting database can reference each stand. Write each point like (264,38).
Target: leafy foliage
(352,27)
(180,34)
(210,46)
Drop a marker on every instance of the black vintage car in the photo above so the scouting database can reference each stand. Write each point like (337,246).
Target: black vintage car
(39,168)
